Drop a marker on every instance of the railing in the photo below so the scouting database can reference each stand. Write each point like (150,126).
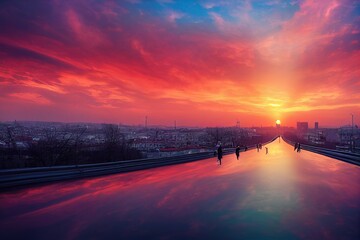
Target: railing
(350,157)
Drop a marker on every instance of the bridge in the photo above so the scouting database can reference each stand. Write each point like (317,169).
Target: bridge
(280,195)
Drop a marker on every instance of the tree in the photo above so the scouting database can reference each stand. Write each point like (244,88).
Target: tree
(113,141)
(115,147)
(59,146)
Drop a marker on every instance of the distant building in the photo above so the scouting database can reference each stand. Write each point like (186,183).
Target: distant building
(350,136)
(316,125)
(345,134)
(302,127)
(316,137)
(331,135)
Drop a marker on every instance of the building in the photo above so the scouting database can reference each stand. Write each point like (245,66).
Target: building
(316,137)
(316,125)
(302,127)
(350,136)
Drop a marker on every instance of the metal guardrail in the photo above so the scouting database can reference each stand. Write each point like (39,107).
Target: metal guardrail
(349,157)
(25,176)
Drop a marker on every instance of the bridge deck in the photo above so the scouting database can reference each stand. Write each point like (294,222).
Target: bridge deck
(283,194)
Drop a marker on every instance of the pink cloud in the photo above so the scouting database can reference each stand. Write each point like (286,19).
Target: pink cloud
(113,58)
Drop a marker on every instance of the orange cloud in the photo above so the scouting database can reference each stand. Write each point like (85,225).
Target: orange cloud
(31,97)
(121,58)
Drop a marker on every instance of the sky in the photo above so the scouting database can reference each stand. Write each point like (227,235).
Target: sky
(199,63)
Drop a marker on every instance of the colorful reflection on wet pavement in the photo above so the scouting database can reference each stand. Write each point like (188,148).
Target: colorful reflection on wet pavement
(282,195)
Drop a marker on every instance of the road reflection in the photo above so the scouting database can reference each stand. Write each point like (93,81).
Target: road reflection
(282,194)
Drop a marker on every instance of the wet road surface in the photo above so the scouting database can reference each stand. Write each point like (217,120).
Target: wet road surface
(282,195)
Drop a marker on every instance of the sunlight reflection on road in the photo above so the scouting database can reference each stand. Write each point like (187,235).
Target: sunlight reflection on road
(282,194)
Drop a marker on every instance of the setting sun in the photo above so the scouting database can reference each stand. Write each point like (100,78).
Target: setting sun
(278,122)
(180,55)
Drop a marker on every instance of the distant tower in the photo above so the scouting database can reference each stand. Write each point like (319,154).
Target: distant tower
(175,124)
(146,121)
(238,124)
(316,125)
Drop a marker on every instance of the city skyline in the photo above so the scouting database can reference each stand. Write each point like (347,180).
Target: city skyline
(204,63)
(311,125)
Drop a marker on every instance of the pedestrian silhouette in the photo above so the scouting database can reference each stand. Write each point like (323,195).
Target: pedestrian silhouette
(219,153)
(267,150)
(296,146)
(237,152)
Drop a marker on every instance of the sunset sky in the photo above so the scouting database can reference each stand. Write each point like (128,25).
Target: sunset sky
(201,63)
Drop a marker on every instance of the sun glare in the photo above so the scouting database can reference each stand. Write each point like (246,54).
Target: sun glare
(278,122)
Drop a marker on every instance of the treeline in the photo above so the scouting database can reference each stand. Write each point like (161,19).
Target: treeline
(67,147)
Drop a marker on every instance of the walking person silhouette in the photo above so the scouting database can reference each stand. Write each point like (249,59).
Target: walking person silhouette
(219,153)
(237,152)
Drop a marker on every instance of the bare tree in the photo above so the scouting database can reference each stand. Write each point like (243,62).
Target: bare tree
(113,142)
(59,146)
(10,138)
